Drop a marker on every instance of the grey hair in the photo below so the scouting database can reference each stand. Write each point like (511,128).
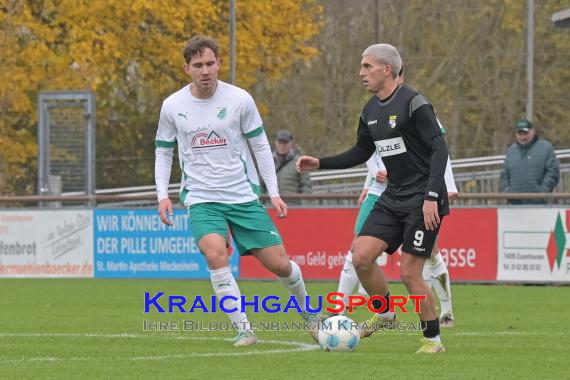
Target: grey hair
(387,54)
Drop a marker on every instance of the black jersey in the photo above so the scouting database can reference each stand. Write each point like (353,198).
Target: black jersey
(404,130)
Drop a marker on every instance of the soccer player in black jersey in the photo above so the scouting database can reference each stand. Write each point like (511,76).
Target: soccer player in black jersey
(401,126)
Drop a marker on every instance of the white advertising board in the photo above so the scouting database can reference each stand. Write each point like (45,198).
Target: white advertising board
(534,245)
(46,243)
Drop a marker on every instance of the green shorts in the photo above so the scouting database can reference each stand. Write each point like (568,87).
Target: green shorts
(249,223)
(365,209)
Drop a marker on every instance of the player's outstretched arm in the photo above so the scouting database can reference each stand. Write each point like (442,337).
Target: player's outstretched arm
(164,153)
(307,163)
(356,155)
(162,167)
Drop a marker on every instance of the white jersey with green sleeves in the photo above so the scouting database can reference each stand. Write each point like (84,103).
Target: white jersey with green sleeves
(212,147)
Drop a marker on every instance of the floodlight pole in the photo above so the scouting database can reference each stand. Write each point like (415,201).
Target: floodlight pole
(529,59)
(376,22)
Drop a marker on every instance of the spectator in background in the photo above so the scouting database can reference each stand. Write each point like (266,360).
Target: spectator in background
(288,179)
(530,165)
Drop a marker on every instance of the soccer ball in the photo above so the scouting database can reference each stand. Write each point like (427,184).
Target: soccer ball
(339,334)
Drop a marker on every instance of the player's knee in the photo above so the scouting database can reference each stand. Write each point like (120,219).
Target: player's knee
(406,277)
(276,261)
(410,276)
(282,267)
(216,258)
(362,262)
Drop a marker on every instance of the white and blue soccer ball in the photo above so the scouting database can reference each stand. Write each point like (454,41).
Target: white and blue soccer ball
(339,334)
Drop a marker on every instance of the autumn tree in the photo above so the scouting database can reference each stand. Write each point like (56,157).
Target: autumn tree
(129,54)
(299,58)
(468,58)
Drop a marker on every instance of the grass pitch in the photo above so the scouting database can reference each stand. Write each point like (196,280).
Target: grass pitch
(94,329)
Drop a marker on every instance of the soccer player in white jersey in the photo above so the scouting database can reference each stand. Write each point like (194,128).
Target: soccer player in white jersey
(212,122)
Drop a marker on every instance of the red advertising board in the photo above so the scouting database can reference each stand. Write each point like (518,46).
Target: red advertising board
(318,239)
(468,242)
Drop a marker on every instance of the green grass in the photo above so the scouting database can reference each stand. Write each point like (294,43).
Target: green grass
(93,329)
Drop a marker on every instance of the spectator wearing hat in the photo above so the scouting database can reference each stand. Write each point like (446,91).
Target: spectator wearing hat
(530,165)
(285,156)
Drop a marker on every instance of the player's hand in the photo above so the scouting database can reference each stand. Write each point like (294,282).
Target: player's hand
(280,206)
(307,163)
(431,216)
(362,196)
(381,176)
(451,197)
(165,210)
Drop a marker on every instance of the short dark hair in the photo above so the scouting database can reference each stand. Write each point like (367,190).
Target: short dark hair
(197,45)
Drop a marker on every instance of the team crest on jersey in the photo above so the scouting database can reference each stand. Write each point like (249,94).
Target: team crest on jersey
(392,121)
(221,112)
(204,140)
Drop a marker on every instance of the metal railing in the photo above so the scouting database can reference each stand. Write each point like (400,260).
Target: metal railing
(330,188)
(485,180)
(149,200)
(360,172)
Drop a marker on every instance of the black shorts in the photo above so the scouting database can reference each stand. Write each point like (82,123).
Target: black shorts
(401,227)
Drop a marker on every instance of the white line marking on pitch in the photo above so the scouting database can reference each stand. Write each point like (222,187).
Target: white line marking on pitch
(297,347)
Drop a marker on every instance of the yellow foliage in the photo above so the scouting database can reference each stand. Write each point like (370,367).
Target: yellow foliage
(135,47)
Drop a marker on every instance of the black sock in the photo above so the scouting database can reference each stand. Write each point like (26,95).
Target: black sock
(377,304)
(430,328)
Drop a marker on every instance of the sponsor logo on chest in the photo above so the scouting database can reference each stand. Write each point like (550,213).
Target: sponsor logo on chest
(208,140)
(390,147)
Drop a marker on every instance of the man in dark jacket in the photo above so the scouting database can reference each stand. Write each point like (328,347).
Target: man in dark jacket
(530,165)
(285,156)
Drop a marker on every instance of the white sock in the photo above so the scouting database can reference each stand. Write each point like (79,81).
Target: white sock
(426,272)
(348,280)
(434,339)
(387,316)
(439,280)
(436,264)
(224,284)
(295,284)
(441,286)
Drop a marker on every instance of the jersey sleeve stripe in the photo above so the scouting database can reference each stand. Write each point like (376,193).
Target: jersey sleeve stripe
(417,102)
(183,194)
(255,132)
(164,144)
